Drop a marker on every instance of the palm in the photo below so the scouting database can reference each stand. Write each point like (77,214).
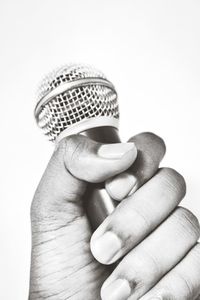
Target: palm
(62,264)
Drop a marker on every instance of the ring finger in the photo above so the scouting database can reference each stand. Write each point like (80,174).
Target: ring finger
(182,282)
(145,265)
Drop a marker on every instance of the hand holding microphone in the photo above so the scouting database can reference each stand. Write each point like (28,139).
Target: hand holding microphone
(146,230)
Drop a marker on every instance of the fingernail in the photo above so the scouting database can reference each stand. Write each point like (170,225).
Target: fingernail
(117,290)
(105,247)
(115,151)
(121,186)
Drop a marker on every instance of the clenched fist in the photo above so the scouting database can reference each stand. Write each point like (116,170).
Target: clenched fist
(146,249)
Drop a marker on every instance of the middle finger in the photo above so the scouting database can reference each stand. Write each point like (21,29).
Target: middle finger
(137,216)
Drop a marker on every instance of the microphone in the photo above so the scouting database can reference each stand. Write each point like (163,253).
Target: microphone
(78,99)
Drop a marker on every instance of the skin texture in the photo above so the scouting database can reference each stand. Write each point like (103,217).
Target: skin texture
(155,240)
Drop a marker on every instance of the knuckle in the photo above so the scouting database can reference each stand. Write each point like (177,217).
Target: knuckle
(166,292)
(149,137)
(145,266)
(173,180)
(123,227)
(151,149)
(154,138)
(188,220)
(153,263)
(140,269)
(143,220)
(185,283)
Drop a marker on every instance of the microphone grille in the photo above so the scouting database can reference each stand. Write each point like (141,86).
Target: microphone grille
(66,73)
(72,94)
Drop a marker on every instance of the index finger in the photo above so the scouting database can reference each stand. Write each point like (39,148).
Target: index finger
(150,151)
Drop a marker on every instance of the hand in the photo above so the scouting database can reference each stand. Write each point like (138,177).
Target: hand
(155,241)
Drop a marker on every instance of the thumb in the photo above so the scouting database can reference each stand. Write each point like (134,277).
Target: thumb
(95,162)
(78,160)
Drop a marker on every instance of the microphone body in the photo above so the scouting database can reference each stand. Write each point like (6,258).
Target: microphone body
(98,203)
(78,99)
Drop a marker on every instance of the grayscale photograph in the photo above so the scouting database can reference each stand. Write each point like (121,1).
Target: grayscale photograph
(100,150)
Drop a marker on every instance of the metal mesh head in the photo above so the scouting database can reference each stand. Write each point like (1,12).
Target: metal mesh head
(73,94)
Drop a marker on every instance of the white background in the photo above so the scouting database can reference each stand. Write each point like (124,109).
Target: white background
(150,50)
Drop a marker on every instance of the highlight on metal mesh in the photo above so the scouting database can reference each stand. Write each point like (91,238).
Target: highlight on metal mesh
(64,74)
(76,104)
